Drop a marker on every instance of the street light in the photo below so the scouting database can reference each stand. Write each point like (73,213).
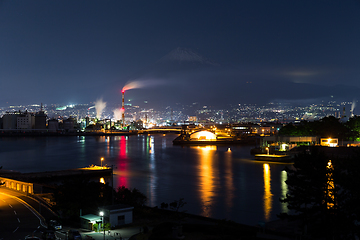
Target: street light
(102,218)
(102,159)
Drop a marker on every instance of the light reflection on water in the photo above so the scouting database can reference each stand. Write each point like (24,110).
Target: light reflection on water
(153,172)
(207,178)
(214,181)
(268,197)
(229,184)
(284,191)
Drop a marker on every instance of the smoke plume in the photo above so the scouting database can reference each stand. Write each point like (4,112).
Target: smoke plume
(142,83)
(117,113)
(99,106)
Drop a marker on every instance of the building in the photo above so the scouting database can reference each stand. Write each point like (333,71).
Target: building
(10,121)
(285,143)
(329,142)
(53,125)
(88,221)
(117,215)
(25,121)
(203,136)
(68,125)
(40,120)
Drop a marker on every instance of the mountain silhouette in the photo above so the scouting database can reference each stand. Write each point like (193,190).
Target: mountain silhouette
(183,77)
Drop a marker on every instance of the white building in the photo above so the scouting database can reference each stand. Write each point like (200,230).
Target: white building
(118,215)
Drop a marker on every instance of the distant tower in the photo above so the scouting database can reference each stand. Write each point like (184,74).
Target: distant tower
(123,108)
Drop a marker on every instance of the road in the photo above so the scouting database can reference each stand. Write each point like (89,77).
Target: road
(19,215)
(22,215)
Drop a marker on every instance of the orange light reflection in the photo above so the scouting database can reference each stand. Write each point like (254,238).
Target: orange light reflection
(267,192)
(330,191)
(206,178)
(229,181)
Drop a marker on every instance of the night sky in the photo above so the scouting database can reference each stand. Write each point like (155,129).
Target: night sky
(221,52)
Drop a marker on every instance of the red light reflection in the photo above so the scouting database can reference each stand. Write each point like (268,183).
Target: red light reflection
(123,162)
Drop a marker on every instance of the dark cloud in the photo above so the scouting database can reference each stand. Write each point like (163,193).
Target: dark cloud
(62,51)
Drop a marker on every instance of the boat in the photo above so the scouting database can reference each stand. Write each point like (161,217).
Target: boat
(274,158)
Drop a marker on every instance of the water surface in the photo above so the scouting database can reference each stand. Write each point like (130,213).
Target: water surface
(222,182)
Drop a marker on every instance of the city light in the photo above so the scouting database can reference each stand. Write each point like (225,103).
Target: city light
(102,159)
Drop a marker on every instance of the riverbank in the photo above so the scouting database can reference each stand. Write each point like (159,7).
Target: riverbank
(33,133)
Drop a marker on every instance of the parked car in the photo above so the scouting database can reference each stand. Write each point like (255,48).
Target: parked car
(54,225)
(74,235)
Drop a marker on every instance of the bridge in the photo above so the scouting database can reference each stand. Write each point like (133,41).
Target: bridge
(172,129)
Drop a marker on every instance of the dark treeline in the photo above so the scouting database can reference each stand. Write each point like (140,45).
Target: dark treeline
(324,195)
(326,127)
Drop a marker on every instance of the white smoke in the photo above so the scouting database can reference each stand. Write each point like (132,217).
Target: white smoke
(99,106)
(141,83)
(117,113)
(353,105)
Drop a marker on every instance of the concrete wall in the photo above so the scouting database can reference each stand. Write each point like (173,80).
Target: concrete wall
(18,185)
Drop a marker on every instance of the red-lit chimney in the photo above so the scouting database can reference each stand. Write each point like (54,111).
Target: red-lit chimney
(123,108)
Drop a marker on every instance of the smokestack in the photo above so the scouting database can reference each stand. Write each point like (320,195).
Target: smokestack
(123,107)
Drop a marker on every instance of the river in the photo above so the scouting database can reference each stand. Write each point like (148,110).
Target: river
(222,182)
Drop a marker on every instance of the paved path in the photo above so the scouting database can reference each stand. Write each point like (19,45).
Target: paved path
(124,233)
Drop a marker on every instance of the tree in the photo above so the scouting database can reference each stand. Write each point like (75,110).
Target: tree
(354,128)
(349,194)
(131,197)
(79,193)
(324,194)
(326,127)
(310,194)
(177,205)
(332,127)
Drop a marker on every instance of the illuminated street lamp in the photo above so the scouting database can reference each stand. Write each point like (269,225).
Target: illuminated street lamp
(102,219)
(102,159)
(267,149)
